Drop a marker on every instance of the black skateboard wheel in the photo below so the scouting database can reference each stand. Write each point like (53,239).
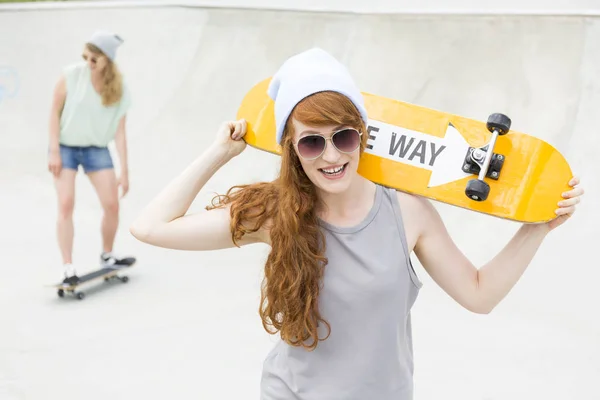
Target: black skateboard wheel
(80,295)
(499,122)
(477,190)
(61,293)
(125,279)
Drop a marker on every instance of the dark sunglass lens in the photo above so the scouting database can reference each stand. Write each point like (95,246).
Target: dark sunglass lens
(311,146)
(347,140)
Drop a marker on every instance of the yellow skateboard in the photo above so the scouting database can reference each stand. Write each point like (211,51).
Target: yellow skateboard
(479,166)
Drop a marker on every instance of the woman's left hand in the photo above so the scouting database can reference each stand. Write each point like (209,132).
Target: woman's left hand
(123,182)
(566,207)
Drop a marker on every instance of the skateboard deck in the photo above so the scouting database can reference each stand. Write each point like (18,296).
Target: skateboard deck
(104,273)
(479,166)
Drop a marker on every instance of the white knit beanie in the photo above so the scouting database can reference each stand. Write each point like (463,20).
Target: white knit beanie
(307,73)
(107,42)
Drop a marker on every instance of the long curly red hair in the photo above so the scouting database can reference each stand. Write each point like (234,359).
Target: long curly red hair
(294,268)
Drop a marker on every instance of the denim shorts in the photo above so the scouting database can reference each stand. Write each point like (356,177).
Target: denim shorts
(91,158)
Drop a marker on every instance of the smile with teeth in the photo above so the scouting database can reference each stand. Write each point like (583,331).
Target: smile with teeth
(333,171)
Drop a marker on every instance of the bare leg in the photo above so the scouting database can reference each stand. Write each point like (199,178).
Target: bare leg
(65,189)
(105,184)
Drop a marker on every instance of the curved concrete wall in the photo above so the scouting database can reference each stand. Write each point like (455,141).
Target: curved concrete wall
(530,7)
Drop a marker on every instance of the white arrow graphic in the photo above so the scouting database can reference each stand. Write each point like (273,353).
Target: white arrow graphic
(443,156)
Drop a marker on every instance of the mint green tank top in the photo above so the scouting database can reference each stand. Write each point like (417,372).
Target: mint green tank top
(369,288)
(85,121)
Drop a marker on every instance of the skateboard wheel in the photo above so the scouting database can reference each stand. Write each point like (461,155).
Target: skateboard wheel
(61,293)
(477,190)
(125,279)
(499,122)
(80,295)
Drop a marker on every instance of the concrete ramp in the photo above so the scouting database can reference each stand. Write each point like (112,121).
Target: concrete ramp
(186,324)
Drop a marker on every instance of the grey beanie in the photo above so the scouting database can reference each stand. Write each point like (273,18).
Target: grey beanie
(107,42)
(309,72)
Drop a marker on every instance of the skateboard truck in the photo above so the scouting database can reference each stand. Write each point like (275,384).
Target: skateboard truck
(483,161)
(474,161)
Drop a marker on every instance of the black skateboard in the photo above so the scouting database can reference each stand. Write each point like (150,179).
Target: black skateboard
(107,273)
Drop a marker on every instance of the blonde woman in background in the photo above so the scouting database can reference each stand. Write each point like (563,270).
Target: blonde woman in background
(89,108)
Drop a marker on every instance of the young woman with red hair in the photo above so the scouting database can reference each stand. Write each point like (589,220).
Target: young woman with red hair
(339,284)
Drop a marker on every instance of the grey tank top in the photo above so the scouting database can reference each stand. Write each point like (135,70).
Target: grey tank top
(369,287)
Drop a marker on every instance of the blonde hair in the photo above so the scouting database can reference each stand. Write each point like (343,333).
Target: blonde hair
(112,83)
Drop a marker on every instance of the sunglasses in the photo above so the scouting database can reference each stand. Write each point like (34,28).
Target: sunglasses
(92,59)
(313,146)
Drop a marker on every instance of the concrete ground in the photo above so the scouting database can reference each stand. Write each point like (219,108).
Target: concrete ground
(186,325)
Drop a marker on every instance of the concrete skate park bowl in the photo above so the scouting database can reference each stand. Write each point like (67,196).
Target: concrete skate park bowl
(186,324)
